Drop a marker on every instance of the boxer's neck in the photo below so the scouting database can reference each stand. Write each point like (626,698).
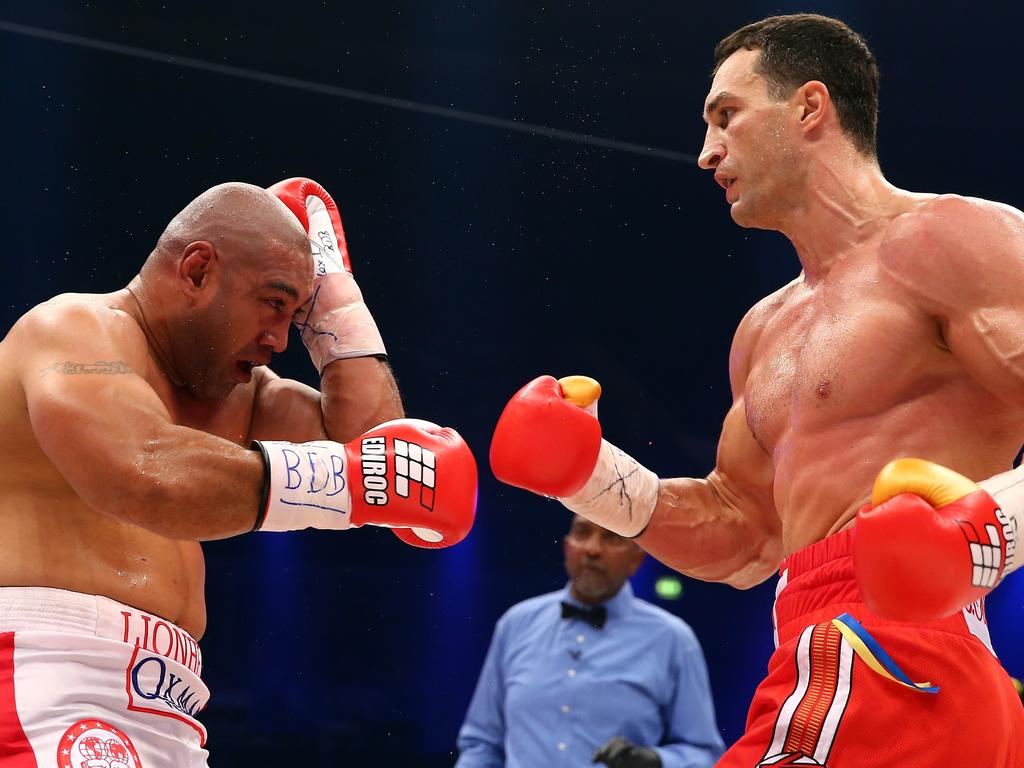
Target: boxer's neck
(847,203)
(155,329)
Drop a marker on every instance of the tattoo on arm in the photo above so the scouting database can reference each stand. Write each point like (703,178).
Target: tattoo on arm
(69,368)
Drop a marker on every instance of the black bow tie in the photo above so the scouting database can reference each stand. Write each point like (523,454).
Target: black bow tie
(595,617)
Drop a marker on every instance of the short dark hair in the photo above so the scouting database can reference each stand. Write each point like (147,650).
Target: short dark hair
(806,46)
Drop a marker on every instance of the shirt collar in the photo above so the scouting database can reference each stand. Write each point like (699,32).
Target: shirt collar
(620,605)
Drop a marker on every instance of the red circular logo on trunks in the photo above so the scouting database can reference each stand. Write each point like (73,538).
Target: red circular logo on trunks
(95,744)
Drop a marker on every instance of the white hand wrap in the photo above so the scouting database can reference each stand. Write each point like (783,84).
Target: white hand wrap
(305,486)
(338,324)
(1008,491)
(620,495)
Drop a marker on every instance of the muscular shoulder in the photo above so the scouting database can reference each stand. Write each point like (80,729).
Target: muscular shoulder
(79,321)
(66,311)
(956,220)
(949,247)
(750,329)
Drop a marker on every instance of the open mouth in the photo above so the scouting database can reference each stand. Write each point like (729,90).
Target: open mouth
(729,183)
(245,366)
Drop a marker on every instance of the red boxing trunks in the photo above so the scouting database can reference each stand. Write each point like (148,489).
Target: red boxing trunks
(842,690)
(88,682)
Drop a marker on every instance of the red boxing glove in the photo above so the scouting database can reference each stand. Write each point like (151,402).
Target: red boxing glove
(930,543)
(548,441)
(544,442)
(336,324)
(326,235)
(409,475)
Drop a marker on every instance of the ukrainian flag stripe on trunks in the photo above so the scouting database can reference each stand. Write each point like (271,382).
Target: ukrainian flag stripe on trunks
(875,656)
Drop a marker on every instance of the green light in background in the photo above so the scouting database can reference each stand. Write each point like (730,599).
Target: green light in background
(668,588)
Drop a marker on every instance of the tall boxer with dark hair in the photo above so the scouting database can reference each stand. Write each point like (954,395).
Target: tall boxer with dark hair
(135,424)
(902,337)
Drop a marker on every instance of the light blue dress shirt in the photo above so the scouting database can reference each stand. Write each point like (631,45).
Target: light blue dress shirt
(553,690)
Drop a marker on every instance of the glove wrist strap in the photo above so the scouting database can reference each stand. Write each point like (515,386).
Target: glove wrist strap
(620,495)
(305,486)
(1008,491)
(339,324)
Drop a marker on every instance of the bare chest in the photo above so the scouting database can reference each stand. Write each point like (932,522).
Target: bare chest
(836,355)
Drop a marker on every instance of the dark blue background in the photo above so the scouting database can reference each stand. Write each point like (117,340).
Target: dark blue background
(488,256)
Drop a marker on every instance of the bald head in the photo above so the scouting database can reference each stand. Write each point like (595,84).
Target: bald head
(239,220)
(221,287)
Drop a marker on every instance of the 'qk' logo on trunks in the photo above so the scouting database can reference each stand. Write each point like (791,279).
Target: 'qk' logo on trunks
(96,744)
(164,688)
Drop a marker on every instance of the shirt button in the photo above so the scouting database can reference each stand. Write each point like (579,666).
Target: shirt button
(580,638)
(565,707)
(561,746)
(572,673)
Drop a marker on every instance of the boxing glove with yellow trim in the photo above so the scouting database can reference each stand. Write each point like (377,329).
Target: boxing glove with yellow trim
(930,542)
(548,440)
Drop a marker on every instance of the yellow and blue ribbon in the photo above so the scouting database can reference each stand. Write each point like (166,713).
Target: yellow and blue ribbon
(869,650)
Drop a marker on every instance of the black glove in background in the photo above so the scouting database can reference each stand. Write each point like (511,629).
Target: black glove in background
(618,752)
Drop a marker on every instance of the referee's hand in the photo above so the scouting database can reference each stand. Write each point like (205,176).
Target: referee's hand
(622,753)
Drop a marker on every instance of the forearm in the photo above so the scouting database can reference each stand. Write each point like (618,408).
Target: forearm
(700,530)
(724,528)
(482,735)
(357,388)
(691,737)
(356,394)
(481,739)
(479,754)
(184,485)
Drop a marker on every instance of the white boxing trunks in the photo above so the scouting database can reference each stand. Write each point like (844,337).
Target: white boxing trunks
(86,682)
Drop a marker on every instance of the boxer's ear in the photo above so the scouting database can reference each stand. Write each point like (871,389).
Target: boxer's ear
(194,267)
(813,105)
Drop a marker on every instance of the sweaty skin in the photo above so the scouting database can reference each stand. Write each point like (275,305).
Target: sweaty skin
(125,418)
(903,336)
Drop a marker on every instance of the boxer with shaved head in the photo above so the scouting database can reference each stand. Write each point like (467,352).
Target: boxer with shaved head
(137,423)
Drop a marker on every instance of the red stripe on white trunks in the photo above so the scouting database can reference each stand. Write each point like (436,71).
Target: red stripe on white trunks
(14,745)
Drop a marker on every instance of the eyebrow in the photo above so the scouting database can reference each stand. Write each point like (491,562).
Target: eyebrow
(283,287)
(713,104)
